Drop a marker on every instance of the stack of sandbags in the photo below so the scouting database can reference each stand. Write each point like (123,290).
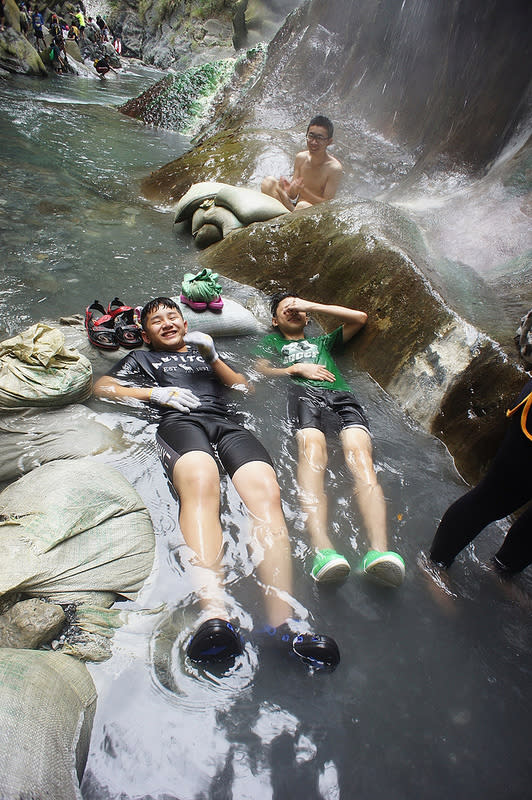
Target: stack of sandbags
(216,209)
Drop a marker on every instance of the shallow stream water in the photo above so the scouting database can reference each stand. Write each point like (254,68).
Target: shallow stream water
(432,696)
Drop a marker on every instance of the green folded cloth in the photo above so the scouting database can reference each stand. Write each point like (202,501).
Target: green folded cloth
(203,287)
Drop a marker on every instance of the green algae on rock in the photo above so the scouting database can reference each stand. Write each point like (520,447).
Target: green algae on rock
(177,101)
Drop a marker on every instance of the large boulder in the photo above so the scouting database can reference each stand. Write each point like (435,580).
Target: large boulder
(17,54)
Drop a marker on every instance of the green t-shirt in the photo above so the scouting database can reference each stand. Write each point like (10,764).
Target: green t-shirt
(314,350)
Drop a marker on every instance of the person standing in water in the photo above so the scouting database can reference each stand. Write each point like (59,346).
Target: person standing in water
(317,395)
(316,175)
(505,488)
(183,376)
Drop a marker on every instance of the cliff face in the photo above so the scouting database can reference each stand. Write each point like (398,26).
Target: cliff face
(446,80)
(173,34)
(185,33)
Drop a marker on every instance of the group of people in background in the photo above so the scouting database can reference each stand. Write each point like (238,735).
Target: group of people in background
(78,28)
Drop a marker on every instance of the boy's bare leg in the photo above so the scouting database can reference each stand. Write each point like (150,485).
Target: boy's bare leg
(256,483)
(357,447)
(197,482)
(311,464)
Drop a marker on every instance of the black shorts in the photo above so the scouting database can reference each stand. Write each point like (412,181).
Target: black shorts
(324,409)
(210,433)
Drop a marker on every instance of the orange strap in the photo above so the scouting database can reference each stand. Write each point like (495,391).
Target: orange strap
(526,403)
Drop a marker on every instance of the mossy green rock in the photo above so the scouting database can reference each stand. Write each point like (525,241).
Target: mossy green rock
(17,54)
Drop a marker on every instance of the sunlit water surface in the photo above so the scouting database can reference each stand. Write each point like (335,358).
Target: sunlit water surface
(432,696)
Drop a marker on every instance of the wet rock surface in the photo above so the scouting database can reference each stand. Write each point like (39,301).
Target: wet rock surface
(31,623)
(18,56)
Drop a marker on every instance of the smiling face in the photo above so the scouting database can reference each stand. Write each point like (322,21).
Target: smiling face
(164,329)
(317,138)
(290,322)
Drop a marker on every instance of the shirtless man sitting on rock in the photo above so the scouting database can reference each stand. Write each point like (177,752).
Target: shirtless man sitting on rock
(316,173)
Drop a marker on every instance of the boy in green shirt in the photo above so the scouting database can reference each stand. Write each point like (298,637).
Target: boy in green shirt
(316,389)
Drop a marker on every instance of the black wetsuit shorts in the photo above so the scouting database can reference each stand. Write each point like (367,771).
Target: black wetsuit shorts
(324,409)
(210,433)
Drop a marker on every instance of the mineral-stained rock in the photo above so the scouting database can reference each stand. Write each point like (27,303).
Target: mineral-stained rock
(30,623)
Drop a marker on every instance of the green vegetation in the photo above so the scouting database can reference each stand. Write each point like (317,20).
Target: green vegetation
(182,11)
(182,98)
(203,9)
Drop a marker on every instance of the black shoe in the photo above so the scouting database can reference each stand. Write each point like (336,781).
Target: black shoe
(317,650)
(314,649)
(215,640)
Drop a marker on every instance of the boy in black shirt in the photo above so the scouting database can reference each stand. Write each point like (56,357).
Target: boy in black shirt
(185,378)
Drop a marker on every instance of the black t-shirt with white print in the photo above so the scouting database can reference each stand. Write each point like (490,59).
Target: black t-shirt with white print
(188,370)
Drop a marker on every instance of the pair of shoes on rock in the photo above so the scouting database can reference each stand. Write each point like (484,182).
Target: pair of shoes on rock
(216,304)
(216,640)
(387,568)
(109,329)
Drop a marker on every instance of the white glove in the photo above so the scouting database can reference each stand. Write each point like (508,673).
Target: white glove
(205,345)
(181,399)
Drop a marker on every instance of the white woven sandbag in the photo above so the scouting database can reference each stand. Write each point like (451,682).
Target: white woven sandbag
(194,197)
(47,705)
(75,527)
(36,369)
(31,437)
(233,320)
(249,205)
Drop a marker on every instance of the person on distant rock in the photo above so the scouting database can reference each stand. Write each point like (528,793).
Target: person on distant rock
(2,16)
(316,175)
(104,28)
(56,57)
(506,487)
(37,23)
(73,31)
(24,20)
(81,22)
(55,28)
(185,381)
(319,401)
(102,66)
(92,31)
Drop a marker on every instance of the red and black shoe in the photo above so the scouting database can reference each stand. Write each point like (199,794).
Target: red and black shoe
(100,327)
(128,333)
